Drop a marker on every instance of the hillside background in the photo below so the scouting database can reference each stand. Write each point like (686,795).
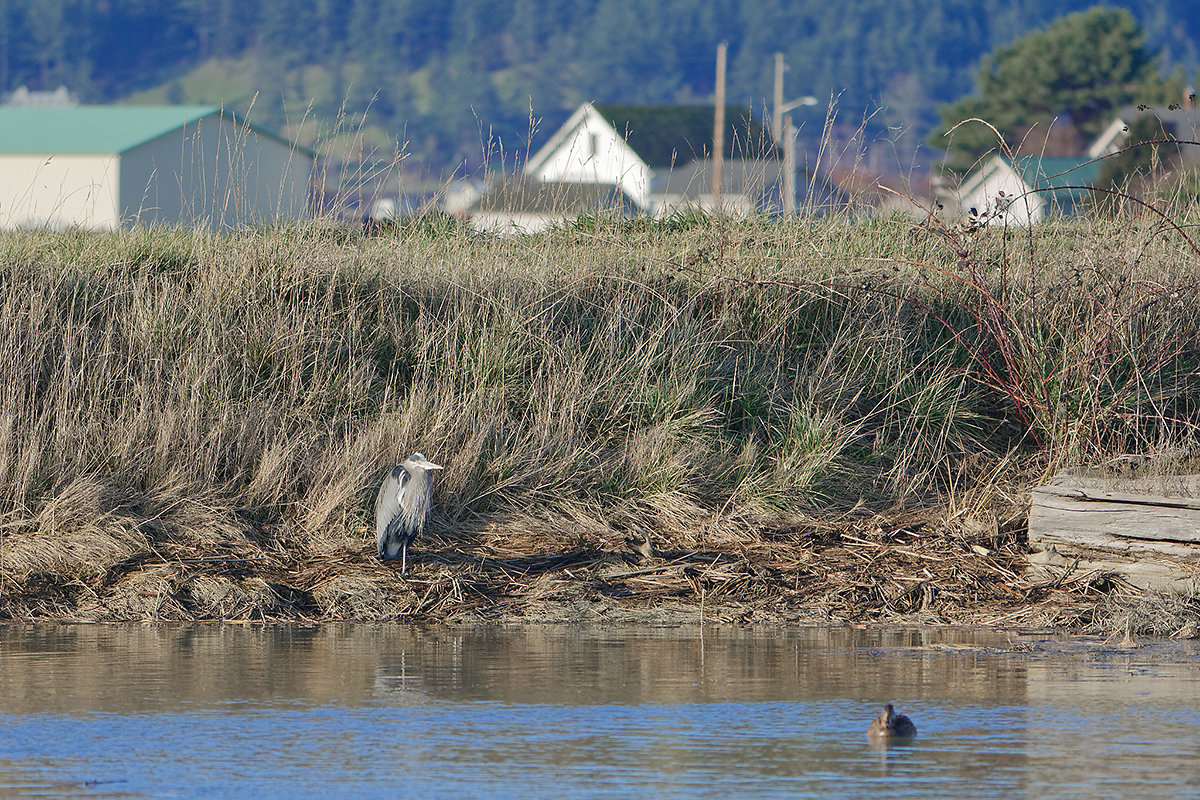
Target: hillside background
(448,84)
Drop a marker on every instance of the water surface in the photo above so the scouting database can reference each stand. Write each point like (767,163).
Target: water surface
(561,711)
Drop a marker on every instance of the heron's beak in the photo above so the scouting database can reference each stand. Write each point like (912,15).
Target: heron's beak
(431,465)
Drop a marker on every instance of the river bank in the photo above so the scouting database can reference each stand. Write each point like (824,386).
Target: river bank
(820,420)
(861,568)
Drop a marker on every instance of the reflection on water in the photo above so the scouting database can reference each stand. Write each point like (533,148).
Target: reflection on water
(385,711)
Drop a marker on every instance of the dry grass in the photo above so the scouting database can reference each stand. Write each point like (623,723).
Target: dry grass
(819,418)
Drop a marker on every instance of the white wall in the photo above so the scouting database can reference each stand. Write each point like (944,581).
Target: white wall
(984,196)
(59,191)
(505,222)
(592,152)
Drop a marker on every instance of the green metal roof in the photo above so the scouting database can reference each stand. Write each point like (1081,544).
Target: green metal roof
(1055,178)
(1058,171)
(90,130)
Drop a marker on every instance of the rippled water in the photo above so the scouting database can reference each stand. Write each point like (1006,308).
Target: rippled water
(532,712)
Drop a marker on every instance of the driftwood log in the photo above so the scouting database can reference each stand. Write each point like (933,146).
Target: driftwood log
(1144,529)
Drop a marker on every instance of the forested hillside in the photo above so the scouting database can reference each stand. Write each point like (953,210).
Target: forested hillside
(442,75)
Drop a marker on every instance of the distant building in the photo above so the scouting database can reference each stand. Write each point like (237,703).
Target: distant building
(525,205)
(1027,190)
(1179,123)
(747,187)
(103,167)
(631,147)
(22,97)
(458,196)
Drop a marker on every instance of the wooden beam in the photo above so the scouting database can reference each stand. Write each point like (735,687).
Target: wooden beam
(1145,529)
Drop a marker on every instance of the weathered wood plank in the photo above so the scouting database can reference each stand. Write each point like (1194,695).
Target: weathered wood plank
(1144,529)
(1102,541)
(1165,508)
(1053,512)
(1175,491)
(1061,563)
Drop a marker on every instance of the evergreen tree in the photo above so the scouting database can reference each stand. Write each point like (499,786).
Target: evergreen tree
(1073,74)
(47,40)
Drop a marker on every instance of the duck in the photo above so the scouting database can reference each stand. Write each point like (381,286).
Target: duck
(890,725)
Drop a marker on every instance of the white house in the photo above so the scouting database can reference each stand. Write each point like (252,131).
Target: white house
(22,96)
(1027,190)
(103,167)
(629,147)
(589,149)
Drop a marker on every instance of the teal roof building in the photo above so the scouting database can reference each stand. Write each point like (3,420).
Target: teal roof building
(107,167)
(1028,190)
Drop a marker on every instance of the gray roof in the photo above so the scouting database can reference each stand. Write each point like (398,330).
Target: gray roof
(530,196)
(760,180)
(738,176)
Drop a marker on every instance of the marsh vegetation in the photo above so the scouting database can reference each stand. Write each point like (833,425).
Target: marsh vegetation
(818,419)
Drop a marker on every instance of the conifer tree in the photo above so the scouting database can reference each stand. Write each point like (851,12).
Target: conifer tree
(1073,75)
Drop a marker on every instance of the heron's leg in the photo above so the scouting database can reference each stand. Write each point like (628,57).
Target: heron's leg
(404,556)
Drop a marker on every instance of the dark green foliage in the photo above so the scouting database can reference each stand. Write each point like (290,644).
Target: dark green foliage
(441,74)
(654,132)
(1070,77)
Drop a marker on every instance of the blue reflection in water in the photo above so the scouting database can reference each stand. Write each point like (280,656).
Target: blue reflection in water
(411,720)
(756,749)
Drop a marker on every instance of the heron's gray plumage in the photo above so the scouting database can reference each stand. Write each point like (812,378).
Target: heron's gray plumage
(402,505)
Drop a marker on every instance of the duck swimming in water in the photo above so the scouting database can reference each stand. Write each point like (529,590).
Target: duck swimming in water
(890,725)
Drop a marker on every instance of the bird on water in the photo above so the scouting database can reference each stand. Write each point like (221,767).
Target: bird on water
(890,725)
(402,505)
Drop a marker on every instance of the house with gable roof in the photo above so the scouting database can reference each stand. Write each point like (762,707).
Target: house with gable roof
(1174,122)
(1028,189)
(104,167)
(639,148)
(1032,188)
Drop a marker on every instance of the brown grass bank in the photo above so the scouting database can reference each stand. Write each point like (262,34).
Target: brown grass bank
(816,420)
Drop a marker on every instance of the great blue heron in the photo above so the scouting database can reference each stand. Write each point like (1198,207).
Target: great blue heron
(890,725)
(402,505)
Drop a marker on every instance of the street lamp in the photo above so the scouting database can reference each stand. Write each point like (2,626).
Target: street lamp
(785,135)
(779,108)
(782,108)
(788,141)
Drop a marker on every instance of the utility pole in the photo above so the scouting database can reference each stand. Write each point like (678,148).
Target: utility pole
(777,108)
(789,167)
(719,127)
(785,136)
